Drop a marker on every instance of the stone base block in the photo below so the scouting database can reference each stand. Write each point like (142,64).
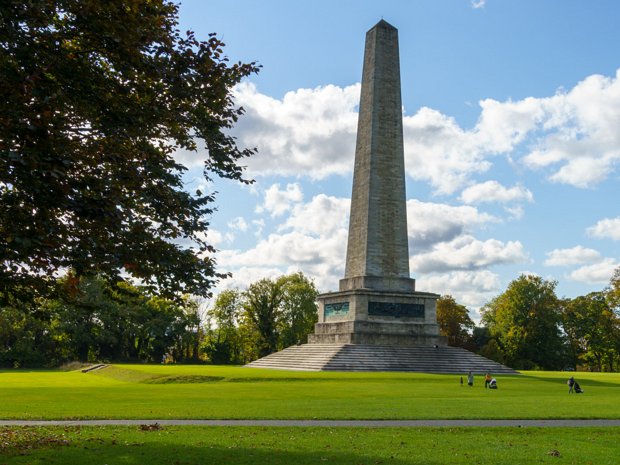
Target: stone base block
(378,283)
(371,333)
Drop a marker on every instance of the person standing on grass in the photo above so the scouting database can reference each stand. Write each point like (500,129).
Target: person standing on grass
(571,384)
(487,380)
(470,379)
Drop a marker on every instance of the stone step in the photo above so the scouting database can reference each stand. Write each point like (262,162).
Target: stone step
(359,357)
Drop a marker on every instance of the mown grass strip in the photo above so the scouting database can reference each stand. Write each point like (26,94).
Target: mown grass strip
(207,392)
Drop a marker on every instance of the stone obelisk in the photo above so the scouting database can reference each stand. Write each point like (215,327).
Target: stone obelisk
(377,321)
(377,302)
(378,250)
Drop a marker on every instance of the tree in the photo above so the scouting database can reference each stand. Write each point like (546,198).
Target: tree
(525,322)
(593,330)
(454,321)
(90,318)
(223,344)
(26,338)
(262,302)
(299,309)
(95,97)
(612,293)
(279,313)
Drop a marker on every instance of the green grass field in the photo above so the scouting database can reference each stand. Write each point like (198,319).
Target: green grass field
(301,446)
(207,392)
(211,392)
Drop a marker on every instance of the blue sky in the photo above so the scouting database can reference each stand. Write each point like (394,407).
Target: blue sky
(512,139)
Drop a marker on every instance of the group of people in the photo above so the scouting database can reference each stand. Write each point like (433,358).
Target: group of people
(489,381)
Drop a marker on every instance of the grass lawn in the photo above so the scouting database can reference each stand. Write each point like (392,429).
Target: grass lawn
(300,446)
(211,392)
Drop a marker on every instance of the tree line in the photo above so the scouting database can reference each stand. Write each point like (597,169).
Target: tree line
(96,320)
(529,327)
(92,319)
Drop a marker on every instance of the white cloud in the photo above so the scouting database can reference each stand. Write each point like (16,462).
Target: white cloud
(599,273)
(581,141)
(191,159)
(470,288)
(493,191)
(243,276)
(573,256)
(430,223)
(313,236)
(312,239)
(478,3)
(281,250)
(319,257)
(467,253)
(571,136)
(516,212)
(212,237)
(323,215)
(238,224)
(504,125)
(310,132)
(608,228)
(278,201)
(437,150)
(259,225)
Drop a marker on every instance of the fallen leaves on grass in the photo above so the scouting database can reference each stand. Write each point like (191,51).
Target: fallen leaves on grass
(22,439)
(151,427)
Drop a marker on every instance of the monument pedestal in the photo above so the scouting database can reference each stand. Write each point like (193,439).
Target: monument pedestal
(374,317)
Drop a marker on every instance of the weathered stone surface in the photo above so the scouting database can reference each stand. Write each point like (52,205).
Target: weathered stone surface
(377,247)
(363,357)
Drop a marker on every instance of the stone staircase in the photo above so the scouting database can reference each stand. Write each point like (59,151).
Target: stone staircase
(361,357)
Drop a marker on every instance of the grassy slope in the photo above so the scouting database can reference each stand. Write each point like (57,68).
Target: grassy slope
(151,392)
(301,446)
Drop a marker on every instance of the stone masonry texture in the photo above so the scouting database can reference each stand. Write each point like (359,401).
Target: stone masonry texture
(377,244)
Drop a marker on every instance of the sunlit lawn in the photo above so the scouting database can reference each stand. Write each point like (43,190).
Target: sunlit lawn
(300,446)
(211,392)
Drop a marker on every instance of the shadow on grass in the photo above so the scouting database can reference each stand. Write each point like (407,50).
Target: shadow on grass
(583,382)
(155,454)
(190,379)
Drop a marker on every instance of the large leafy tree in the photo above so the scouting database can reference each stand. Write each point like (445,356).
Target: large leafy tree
(262,312)
(299,309)
(593,330)
(525,322)
(279,313)
(95,97)
(223,344)
(612,293)
(454,321)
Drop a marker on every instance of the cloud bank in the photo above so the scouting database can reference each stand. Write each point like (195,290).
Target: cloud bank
(570,137)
